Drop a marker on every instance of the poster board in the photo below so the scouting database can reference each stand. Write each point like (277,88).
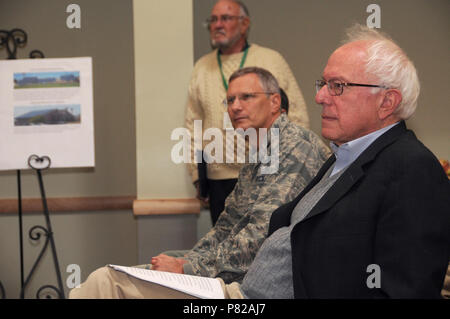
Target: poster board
(46,109)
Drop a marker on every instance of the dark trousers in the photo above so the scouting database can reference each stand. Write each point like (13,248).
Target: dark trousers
(219,189)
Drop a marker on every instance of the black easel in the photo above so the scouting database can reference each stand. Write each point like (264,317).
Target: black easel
(11,40)
(40,163)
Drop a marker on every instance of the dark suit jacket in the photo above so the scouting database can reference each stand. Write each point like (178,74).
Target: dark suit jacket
(391,207)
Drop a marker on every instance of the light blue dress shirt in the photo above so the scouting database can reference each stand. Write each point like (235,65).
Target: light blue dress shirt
(348,152)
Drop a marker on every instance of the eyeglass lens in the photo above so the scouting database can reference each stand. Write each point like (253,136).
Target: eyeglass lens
(223,18)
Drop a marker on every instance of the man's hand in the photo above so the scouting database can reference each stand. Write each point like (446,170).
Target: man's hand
(166,263)
(204,201)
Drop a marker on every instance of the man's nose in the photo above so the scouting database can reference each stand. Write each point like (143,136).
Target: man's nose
(236,105)
(322,95)
(218,24)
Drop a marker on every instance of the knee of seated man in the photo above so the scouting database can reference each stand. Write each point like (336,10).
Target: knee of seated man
(97,278)
(100,274)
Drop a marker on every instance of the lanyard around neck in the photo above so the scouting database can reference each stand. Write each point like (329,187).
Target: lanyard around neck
(225,84)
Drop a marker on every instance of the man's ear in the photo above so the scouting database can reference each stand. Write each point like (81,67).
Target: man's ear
(275,103)
(245,25)
(391,100)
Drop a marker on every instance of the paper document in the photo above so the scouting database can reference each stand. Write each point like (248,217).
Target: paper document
(46,109)
(201,287)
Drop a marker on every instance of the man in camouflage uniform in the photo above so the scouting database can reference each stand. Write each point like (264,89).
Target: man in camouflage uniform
(229,248)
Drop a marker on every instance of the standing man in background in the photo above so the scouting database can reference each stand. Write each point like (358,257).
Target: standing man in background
(229,27)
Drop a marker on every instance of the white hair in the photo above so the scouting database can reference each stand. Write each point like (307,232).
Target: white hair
(242,8)
(390,65)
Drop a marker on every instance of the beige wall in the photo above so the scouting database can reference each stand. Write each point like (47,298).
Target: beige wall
(164,61)
(106,35)
(163,64)
(306,32)
(94,238)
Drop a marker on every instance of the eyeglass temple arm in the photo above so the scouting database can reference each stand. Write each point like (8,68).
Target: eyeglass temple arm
(368,85)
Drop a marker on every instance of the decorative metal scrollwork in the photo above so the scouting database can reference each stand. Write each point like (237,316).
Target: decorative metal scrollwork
(46,292)
(13,39)
(36,54)
(2,291)
(37,162)
(35,234)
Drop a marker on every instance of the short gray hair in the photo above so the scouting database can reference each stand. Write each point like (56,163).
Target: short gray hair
(243,8)
(243,12)
(268,82)
(390,65)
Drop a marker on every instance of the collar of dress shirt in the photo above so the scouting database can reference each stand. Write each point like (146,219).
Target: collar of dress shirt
(348,152)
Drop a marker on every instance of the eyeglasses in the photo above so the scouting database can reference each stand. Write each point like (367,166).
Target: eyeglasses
(243,98)
(336,88)
(223,18)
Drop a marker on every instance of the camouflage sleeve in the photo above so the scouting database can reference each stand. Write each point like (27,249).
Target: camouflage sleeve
(227,220)
(216,235)
(229,259)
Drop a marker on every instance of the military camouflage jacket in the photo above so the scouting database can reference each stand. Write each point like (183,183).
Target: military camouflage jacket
(229,248)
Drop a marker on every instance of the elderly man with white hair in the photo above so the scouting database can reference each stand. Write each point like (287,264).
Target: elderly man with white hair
(374,221)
